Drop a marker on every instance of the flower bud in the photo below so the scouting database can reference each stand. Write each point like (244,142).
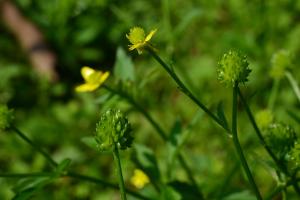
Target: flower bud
(264,118)
(281,138)
(280,61)
(113,128)
(6,117)
(232,68)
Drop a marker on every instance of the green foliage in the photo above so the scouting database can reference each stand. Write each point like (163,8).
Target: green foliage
(281,138)
(6,117)
(112,129)
(191,35)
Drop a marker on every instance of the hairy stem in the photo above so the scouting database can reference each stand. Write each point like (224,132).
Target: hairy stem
(157,127)
(238,145)
(185,90)
(119,171)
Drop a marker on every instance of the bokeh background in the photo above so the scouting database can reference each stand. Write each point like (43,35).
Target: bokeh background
(192,36)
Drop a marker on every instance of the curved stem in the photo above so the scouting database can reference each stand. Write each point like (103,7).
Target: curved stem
(35,146)
(258,133)
(119,171)
(263,142)
(158,129)
(237,143)
(185,90)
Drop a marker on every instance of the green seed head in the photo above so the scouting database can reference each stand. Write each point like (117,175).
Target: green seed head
(264,118)
(113,128)
(232,68)
(280,61)
(281,138)
(6,117)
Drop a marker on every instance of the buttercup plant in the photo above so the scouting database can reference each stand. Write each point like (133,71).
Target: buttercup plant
(139,179)
(93,79)
(139,40)
(113,132)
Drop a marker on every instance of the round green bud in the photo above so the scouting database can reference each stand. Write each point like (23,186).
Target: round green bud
(280,61)
(281,138)
(264,118)
(233,67)
(6,117)
(112,129)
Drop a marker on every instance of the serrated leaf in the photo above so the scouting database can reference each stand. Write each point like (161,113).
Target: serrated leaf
(124,68)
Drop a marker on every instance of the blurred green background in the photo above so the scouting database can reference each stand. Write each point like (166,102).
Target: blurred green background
(192,35)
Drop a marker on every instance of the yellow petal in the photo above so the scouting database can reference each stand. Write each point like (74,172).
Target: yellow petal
(135,46)
(86,87)
(150,35)
(87,73)
(103,77)
(139,179)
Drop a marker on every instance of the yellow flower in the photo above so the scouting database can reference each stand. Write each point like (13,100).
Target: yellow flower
(93,79)
(139,179)
(138,39)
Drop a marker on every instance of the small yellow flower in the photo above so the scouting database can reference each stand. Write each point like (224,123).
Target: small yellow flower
(93,79)
(139,179)
(138,39)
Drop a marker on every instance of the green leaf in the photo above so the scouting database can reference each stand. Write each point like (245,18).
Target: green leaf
(175,133)
(245,195)
(187,19)
(168,193)
(221,115)
(62,166)
(90,142)
(294,116)
(124,68)
(145,159)
(186,190)
(29,186)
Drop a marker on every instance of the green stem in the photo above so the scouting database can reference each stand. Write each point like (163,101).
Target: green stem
(273,94)
(25,175)
(237,143)
(119,171)
(104,183)
(35,146)
(258,133)
(69,173)
(294,84)
(185,90)
(158,129)
(263,142)
(281,188)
